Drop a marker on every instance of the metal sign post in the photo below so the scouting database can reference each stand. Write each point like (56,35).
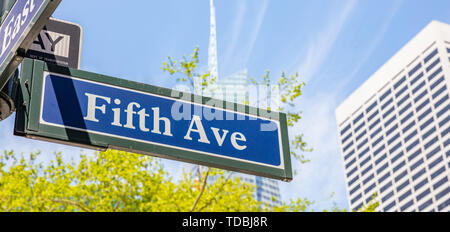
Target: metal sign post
(75,107)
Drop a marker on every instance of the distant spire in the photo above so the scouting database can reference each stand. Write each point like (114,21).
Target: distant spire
(212,50)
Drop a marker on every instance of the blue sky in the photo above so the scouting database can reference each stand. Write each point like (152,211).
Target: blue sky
(334,45)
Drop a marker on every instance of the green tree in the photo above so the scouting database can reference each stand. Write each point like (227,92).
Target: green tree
(116,181)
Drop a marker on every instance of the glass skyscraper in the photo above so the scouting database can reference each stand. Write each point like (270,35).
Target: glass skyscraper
(394,129)
(234,88)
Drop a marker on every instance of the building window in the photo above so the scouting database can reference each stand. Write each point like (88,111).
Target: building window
(358,118)
(401,91)
(395,137)
(391,130)
(404,109)
(366,170)
(424,114)
(382,168)
(395,147)
(412,145)
(375,133)
(423,194)
(398,156)
(377,141)
(353,180)
(372,115)
(431,142)
(388,196)
(432,65)
(415,154)
(388,207)
(385,95)
(433,152)
(419,86)
(363,153)
(438,172)
(445,132)
(402,186)
(406,128)
(442,100)
(355,189)
(421,106)
(356,198)
(371,107)
(436,83)
(390,121)
(350,163)
(346,138)
(431,55)
(428,133)
(388,112)
(386,186)
(443,111)
(440,183)
(351,172)
(444,121)
(362,143)
(400,176)
(388,102)
(368,179)
(419,174)
(406,97)
(361,135)
(378,150)
(383,178)
(417,78)
(364,162)
(434,74)
(426,123)
(447,202)
(417,67)
(404,195)
(437,93)
(407,205)
(398,83)
(400,165)
(380,159)
(410,136)
(425,205)
(374,124)
(406,117)
(345,129)
(420,96)
(421,184)
(435,162)
(416,164)
(442,193)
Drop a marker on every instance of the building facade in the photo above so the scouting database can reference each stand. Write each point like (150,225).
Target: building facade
(394,130)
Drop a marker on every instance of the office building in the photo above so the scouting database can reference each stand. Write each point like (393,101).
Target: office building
(394,129)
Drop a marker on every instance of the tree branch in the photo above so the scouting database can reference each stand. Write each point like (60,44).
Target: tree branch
(201,191)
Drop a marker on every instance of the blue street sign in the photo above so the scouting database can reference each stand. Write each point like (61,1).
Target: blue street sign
(131,116)
(145,117)
(23,23)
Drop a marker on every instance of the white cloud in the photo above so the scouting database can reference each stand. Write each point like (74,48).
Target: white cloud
(254,33)
(321,45)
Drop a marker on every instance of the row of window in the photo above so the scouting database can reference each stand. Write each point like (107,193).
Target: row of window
(420,107)
(398,83)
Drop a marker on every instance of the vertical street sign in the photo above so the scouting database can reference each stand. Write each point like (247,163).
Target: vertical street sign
(59,43)
(23,23)
(80,108)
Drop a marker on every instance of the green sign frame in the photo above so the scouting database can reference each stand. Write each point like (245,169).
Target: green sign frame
(28,110)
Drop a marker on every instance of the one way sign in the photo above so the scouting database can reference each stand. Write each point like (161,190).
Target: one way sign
(59,42)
